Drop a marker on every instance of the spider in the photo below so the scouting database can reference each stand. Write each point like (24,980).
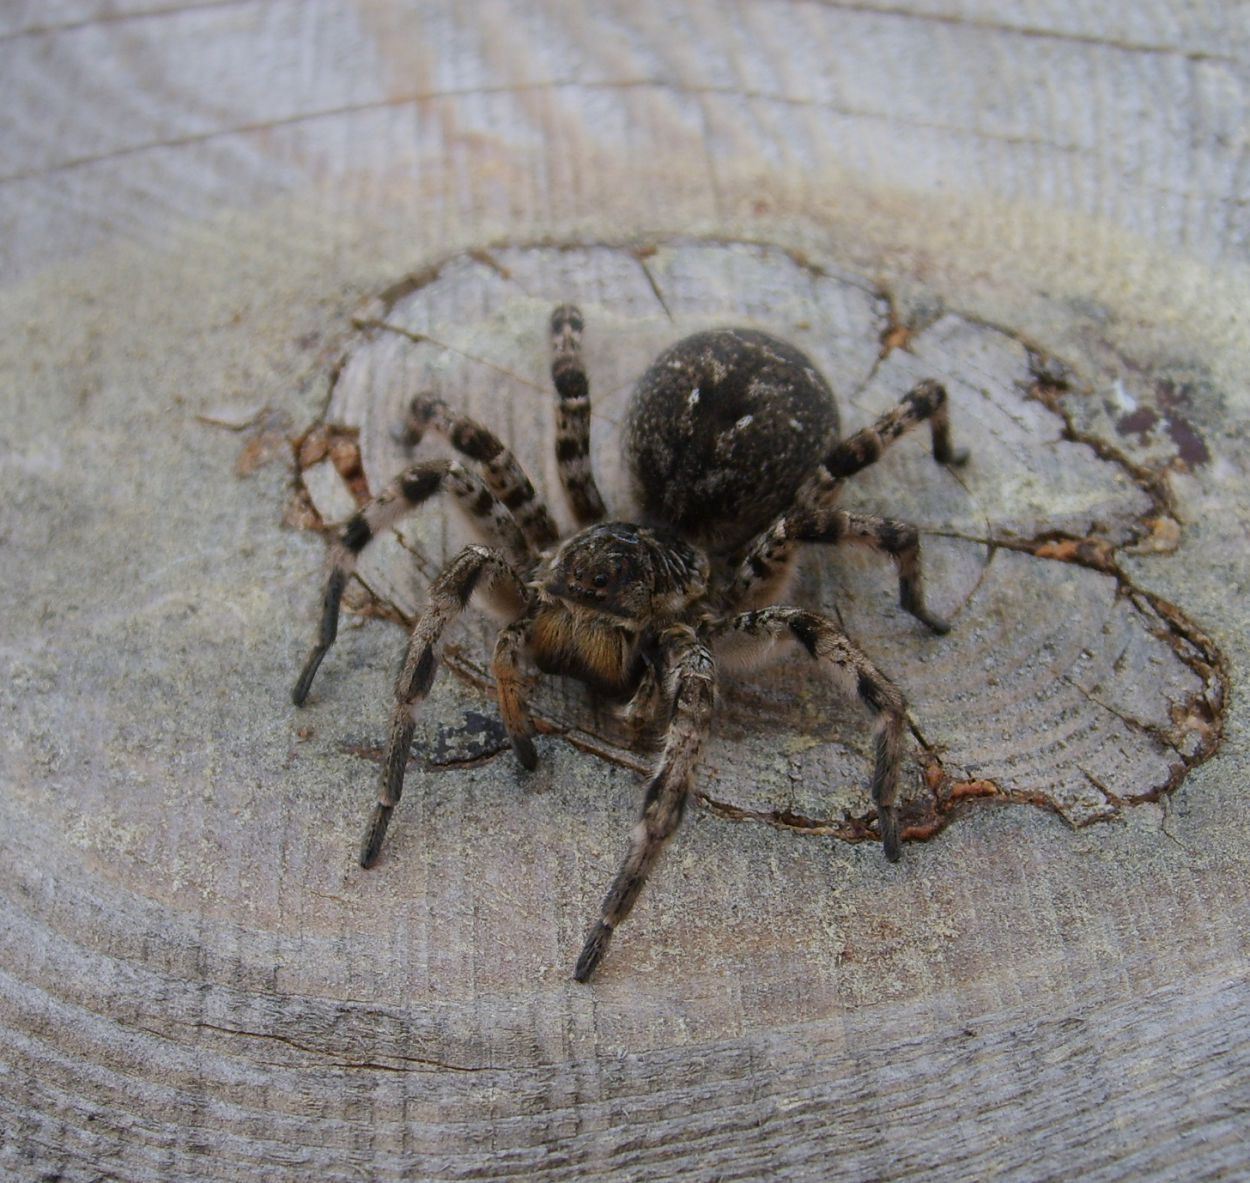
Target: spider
(731,439)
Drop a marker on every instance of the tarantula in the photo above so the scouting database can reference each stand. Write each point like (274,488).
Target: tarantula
(733,451)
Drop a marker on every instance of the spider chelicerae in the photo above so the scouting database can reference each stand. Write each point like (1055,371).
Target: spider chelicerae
(732,444)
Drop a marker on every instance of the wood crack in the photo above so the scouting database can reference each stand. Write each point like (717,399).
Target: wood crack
(415,99)
(405,1063)
(1032,32)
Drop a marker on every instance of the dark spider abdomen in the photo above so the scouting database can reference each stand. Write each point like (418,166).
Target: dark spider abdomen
(722,431)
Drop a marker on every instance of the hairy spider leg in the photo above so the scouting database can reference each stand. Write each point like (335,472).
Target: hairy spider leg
(573,416)
(899,540)
(506,666)
(476,568)
(500,469)
(416,485)
(754,638)
(770,558)
(692,677)
(925,401)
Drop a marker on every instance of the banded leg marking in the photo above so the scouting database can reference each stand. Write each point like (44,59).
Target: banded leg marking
(766,569)
(769,560)
(926,401)
(409,490)
(500,468)
(573,416)
(899,540)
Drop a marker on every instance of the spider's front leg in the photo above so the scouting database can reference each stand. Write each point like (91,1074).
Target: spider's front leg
(753,638)
(488,515)
(692,682)
(476,568)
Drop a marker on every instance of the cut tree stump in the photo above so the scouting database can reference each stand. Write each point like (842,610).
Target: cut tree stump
(239,237)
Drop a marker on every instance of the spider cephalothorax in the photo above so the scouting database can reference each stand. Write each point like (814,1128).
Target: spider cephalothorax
(733,449)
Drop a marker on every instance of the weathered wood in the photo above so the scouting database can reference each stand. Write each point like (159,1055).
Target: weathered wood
(210,211)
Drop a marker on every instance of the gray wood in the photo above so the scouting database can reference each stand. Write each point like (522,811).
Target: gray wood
(209,209)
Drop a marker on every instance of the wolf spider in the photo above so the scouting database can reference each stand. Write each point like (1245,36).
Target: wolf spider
(733,451)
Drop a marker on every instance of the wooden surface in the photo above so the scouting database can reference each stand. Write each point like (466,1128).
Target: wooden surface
(226,223)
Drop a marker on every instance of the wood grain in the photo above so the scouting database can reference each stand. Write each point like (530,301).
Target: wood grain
(206,212)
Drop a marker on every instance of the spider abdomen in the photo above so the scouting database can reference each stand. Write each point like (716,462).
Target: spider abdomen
(723,429)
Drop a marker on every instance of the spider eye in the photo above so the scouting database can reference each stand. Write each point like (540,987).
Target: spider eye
(600,580)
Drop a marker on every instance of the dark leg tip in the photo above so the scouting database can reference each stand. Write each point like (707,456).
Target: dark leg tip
(304,683)
(936,624)
(887,822)
(371,847)
(525,751)
(592,952)
(955,458)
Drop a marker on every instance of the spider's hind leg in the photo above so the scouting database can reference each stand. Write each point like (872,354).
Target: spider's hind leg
(815,517)
(769,561)
(899,540)
(752,638)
